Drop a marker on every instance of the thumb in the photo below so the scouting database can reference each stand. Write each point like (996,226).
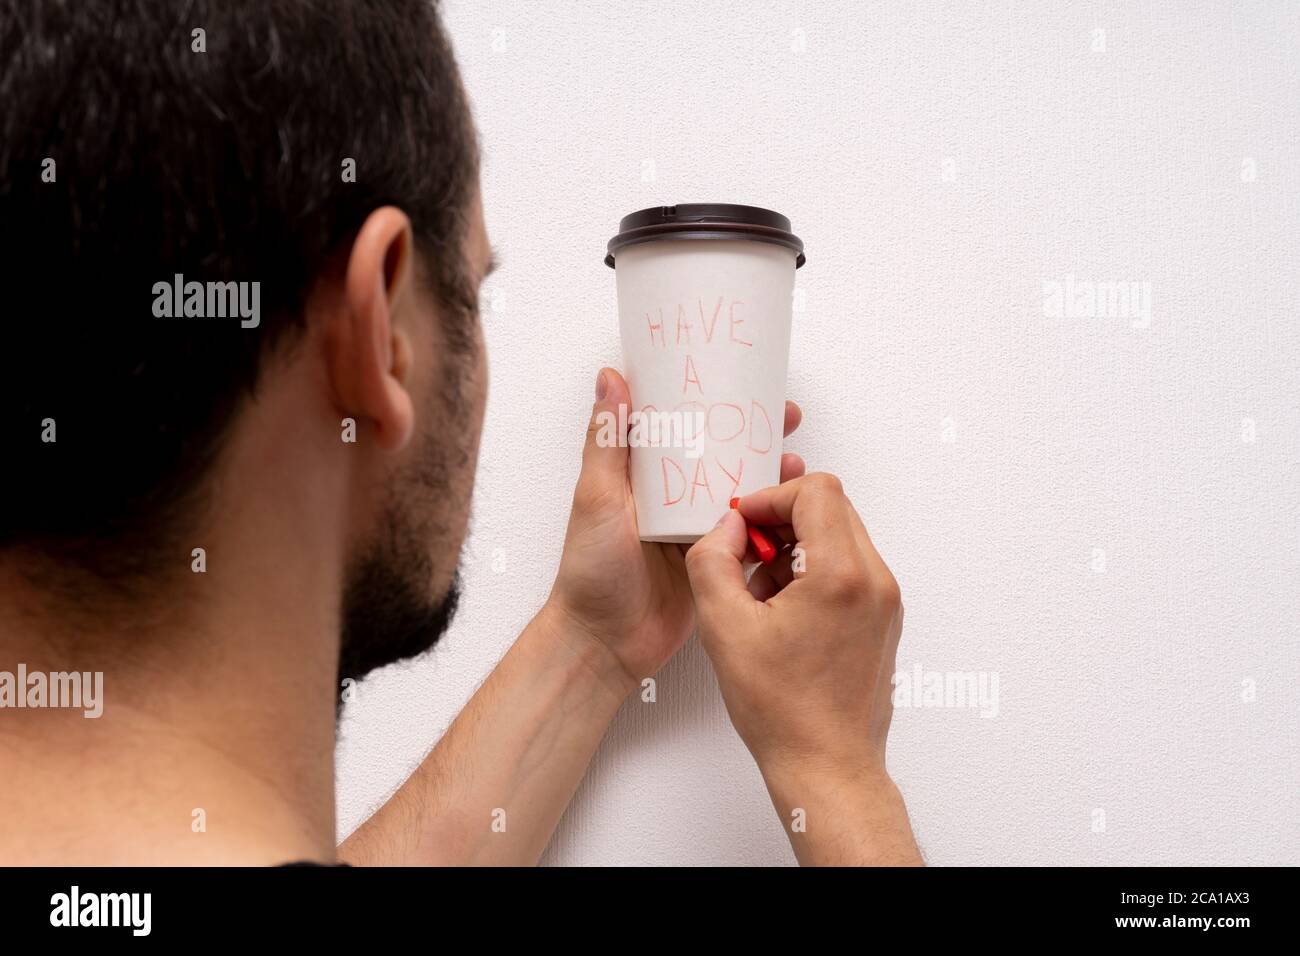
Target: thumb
(604,456)
(713,565)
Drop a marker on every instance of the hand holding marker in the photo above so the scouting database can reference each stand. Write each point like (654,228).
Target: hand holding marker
(764,548)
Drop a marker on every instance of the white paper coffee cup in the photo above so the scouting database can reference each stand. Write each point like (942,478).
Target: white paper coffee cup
(704,301)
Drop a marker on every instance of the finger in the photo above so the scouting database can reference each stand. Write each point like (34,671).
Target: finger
(713,567)
(782,569)
(751,552)
(674,555)
(762,585)
(769,579)
(751,556)
(814,505)
(792,466)
(781,535)
(793,416)
(604,456)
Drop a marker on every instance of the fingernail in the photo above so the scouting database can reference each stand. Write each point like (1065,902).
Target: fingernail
(602,386)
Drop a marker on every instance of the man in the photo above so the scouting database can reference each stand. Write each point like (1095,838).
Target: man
(242,404)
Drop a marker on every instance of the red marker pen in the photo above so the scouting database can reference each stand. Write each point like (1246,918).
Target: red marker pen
(762,547)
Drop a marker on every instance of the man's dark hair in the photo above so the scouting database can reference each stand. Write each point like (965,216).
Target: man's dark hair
(140,139)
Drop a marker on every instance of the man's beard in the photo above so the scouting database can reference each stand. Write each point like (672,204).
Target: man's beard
(388,612)
(389,615)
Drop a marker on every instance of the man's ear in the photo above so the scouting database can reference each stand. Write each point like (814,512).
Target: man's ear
(369,353)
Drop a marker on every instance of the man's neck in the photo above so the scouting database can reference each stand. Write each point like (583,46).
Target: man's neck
(216,739)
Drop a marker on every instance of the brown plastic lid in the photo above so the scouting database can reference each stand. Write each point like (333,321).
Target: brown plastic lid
(705,220)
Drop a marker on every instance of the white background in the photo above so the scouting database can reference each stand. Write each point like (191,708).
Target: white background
(1073,504)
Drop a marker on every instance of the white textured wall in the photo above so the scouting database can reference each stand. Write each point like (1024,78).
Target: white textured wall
(1072,504)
